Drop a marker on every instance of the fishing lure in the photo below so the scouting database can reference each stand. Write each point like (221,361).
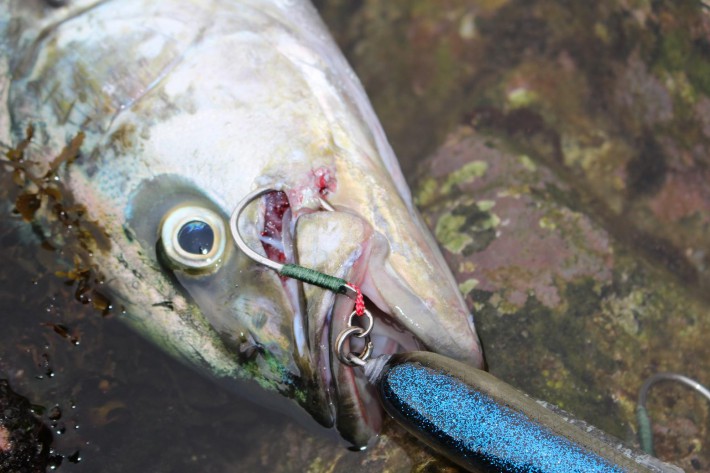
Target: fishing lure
(468,415)
(484,424)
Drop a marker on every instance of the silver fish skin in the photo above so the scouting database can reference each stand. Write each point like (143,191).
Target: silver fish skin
(189,105)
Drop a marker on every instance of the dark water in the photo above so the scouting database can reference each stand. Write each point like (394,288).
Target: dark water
(124,405)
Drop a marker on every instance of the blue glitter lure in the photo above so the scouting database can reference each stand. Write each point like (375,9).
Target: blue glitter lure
(484,424)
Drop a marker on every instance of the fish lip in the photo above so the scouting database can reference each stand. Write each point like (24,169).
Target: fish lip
(322,329)
(358,415)
(364,260)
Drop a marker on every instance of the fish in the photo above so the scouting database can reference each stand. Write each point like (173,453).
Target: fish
(170,113)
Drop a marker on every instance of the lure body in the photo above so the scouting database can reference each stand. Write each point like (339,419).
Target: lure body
(484,424)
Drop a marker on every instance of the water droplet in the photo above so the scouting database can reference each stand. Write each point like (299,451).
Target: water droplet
(74,457)
(54,462)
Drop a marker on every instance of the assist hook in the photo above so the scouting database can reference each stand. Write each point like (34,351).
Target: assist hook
(311,276)
(644,421)
(290,270)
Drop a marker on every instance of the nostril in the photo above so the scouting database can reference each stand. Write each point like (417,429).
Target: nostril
(249,348)
(248,351)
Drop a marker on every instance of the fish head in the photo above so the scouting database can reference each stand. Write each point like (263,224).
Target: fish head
(187,109)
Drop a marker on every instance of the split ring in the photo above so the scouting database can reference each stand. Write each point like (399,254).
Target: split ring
(353,359)
(370,320)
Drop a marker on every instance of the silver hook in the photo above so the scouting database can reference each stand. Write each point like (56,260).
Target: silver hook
(678,378)
(239,240)
(642,417)
(283,269)
(325,204)
(312,277)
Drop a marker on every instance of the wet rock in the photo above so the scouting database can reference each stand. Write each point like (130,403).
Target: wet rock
(566,312)
(577,214)
(394,452)
(613,95)
(24,440)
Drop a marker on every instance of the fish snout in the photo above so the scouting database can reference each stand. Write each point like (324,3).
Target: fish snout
(345,245)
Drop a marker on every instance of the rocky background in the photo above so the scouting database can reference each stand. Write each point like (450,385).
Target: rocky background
(559,152)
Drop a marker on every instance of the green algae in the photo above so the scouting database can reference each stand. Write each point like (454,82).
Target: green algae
(608,94)
(566,312)
(449,233)
(468,285)
(469,228)
(467,173)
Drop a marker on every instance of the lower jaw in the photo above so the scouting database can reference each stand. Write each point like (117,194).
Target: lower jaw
(358,416)
(358,413)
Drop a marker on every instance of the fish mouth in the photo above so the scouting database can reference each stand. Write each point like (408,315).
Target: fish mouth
(340,243)
(359,416)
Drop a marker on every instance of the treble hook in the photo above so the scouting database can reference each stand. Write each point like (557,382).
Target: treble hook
(295,271)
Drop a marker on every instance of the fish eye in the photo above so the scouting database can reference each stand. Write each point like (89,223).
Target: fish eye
(193,238)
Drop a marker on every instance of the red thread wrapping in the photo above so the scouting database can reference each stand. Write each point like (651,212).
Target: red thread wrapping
(359,300)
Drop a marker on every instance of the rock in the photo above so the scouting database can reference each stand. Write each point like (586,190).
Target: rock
(613,95)
(566,312)
(24,439)
(574,203)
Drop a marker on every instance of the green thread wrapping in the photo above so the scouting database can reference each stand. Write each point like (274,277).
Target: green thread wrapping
(314,277)
(644,432)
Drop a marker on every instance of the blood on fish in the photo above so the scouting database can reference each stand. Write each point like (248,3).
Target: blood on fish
(324,180)
(322,185)
(276,204)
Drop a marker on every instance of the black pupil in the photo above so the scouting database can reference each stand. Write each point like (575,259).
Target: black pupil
(196,237)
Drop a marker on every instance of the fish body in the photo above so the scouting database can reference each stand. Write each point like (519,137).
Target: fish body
(183,108)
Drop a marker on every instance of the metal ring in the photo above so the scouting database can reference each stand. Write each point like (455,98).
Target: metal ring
(365,331)
(352,359)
